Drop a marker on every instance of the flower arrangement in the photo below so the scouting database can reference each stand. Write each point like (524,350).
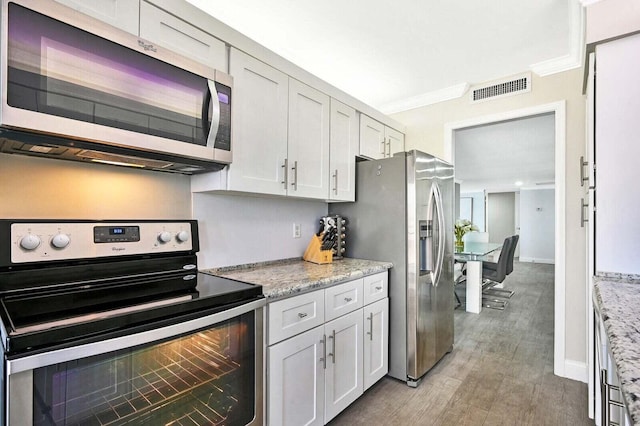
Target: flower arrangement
(461,227)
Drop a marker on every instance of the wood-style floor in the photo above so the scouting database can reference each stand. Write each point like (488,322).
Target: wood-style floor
(499,373)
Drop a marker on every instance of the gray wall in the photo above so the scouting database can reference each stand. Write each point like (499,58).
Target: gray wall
(501,216)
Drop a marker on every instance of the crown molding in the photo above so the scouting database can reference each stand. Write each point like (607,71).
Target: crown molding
(575,57)
(586,3)
(429,98)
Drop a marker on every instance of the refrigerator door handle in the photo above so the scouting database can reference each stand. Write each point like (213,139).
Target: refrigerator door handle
(437,195)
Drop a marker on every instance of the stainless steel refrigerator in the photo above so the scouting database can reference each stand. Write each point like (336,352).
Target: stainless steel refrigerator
(404,214)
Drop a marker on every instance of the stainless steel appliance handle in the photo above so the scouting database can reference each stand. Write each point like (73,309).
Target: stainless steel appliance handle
(211,131)
(97,348)
(437,195)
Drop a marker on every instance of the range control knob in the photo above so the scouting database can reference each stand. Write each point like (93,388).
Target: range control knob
(164,237)
(60,241)
(182,236)
(30,242)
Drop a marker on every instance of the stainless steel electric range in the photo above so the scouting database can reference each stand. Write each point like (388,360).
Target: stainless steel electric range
(110,322)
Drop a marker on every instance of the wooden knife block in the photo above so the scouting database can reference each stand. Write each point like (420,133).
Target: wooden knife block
(314,254)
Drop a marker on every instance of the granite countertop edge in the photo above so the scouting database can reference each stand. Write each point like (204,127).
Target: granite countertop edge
(616,297)
(289,277)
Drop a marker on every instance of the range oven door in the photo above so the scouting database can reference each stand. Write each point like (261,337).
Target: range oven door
(206,370)
(66,74)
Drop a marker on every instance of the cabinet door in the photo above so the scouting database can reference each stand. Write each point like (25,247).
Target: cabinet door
(296,380)
(343,376)
(177,35)
(308,149)
(343,151)
(376,342)
(372,138)
(123,14)
(394,140)
(259,118)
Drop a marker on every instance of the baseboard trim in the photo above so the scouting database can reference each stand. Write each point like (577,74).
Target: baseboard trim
(575,370)
(536,260)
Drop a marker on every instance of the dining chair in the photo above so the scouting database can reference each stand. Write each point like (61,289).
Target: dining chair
(494,273)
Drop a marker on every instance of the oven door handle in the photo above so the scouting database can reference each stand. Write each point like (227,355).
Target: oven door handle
(96,348)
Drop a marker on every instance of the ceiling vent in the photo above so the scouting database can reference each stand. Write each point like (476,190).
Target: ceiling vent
(502,88)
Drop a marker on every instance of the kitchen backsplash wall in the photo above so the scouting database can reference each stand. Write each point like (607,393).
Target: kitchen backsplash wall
(43,188)
(236,229)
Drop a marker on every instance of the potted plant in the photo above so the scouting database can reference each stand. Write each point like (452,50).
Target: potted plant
(461,227)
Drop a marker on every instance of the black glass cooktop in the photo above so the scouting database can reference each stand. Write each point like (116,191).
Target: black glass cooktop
(58,318)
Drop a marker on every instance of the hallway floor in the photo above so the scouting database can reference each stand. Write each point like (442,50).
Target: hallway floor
(499,373)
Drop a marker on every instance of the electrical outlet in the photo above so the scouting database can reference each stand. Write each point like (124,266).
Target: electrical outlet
(296,230)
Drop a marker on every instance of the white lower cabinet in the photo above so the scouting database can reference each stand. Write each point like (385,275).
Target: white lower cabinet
(313,375)
(376,342)
(343,375)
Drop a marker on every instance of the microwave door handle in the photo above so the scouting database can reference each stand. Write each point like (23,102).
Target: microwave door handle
(211,101)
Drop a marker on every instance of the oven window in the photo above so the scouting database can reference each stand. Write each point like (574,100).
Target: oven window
(204,378)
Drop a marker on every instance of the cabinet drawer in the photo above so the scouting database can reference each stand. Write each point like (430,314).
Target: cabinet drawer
(375,287)
(291,316)
(342,299)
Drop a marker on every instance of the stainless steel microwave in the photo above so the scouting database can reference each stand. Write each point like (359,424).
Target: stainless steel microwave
(76,88)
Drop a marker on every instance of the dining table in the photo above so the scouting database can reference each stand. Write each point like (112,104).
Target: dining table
(473,254)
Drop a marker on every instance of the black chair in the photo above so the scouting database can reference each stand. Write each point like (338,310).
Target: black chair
(494,273)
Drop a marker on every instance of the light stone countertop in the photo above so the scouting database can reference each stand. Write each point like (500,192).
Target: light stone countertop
(617,297)
(289,277)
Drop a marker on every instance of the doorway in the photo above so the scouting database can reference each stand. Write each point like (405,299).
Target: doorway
(558,109)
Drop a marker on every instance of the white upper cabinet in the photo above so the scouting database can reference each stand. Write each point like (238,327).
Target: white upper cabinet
(342,152)
(308,148)
(259,123)
(123,14)
(175,34)
(377,140)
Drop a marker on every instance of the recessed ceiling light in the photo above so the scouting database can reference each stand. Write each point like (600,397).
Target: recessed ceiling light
(518,183)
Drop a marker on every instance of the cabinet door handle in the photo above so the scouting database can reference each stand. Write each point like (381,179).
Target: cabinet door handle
(370,332)
(583,217)
(389,147)
(324,351)
(384,147)
(285,172)
(302,314)
(295,176)
(333,354)
(335,182)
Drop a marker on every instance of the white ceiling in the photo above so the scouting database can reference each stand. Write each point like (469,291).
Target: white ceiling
(495,156)
(407,53)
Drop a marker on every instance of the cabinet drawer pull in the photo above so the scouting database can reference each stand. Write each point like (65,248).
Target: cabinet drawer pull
(285,173)
(295,176)
(302,314)
(333,354)
(379,288)
(324,351)
(348,299)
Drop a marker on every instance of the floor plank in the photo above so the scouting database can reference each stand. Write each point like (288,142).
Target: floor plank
(499,373)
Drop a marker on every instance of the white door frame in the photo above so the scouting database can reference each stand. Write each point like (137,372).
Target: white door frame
(560,366)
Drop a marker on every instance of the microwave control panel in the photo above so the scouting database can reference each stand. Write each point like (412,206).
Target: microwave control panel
(46,241)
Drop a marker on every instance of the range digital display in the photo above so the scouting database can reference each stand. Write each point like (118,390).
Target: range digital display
(116,234)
